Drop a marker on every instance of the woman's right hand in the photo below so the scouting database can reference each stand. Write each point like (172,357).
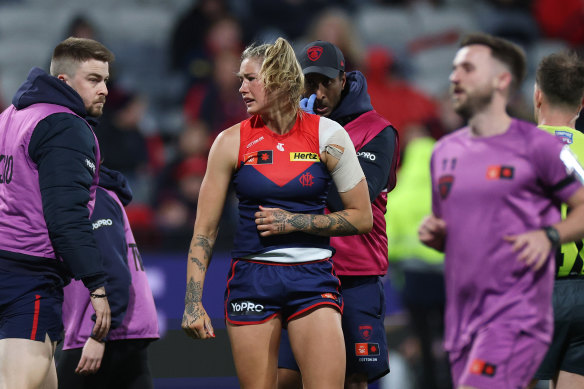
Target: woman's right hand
(196,323)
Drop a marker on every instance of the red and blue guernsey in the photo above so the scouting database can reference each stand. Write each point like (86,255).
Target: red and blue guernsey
(282,171)
(487,188)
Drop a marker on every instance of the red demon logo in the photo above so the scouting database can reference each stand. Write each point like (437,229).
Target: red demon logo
(314,53)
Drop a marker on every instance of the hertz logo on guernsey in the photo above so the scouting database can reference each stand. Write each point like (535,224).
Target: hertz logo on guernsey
(299,156)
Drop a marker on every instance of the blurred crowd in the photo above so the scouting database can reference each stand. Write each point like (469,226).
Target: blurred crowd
(160,140)
(165,163)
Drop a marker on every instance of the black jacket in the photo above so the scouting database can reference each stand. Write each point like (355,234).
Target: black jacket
(108,229)
(60,145)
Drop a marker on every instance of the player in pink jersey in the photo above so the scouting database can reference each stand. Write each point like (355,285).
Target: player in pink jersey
(281,162)
(497,187)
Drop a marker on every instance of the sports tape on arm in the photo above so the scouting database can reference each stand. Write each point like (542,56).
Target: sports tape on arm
(347,173)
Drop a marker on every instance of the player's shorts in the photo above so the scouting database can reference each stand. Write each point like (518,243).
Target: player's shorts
(30,307)
(258,291)
(500,356)
(363,328)
(567,349)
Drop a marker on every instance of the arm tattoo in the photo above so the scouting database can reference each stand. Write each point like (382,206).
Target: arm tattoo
(343,225)
(201,267)
(205,243)
(300,222)
(327,225)
(194,295)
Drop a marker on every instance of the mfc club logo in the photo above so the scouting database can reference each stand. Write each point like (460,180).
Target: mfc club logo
(306,179)
(314,53)
(445,185)
(365,331)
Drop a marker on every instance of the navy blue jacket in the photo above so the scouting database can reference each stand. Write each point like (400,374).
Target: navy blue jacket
(59,145)
(108,229)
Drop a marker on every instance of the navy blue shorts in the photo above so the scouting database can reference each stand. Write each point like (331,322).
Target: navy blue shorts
(30,307)
(258,291)
(567,349)
(363,328)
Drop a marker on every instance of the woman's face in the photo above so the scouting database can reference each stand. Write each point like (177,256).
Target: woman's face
(252,89)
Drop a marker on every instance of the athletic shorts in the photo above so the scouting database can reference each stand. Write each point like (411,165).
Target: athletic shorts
(567,350)
(363,328)
(258,291)
(30,307)
(500,356)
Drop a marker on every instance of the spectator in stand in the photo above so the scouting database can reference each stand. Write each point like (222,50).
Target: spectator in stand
(334,25)
(124,146)
(175,200)
(563,22)
(81,27)
(188,52)
(395,98)
(217,103)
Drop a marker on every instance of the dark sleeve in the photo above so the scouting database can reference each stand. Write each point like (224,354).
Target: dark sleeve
(378,159)
(108,229)
(63,147)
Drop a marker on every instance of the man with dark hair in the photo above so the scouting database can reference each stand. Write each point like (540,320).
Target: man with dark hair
(557,99)
(497,184)
(360,260)
(49,159)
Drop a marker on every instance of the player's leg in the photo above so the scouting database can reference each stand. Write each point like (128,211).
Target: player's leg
(567,380)
(51,381)
(288,371)
(26,363)
(319,348)
(255,352)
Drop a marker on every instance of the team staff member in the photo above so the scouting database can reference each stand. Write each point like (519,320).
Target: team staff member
(122,360)
(281,161)
(557,98)
(359,260)
(497,185)
(49,157)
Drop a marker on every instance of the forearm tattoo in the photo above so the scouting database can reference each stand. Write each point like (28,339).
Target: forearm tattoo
(207,245)
(193,296)
(333,224)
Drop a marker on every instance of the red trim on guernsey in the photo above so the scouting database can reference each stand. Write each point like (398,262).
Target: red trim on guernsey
(314,306)
(35,320)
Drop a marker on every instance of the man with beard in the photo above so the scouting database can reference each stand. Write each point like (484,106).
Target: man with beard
(49,160)
(497,184)
(360,260)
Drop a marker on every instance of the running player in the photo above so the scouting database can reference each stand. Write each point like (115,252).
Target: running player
(497,185)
